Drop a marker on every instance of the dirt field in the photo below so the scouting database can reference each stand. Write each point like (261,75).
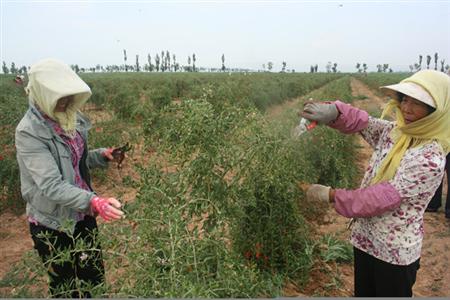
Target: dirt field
(432,279)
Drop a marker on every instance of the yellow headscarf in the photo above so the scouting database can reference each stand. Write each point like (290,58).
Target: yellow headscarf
(50,80)
(434,127)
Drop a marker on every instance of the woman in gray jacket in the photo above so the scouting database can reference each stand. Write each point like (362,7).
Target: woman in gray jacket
(54,163)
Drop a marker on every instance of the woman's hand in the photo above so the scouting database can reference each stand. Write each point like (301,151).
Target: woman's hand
(321,112)
(318,192)
(107,208)
(108,154)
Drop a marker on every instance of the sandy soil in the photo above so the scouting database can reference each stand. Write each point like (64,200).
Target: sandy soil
(15,240)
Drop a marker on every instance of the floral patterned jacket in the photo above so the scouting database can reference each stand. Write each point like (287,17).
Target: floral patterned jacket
(389,215)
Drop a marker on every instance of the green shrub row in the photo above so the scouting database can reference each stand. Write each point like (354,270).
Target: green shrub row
(375,80)
(131,95)
(221,204)
(13,104)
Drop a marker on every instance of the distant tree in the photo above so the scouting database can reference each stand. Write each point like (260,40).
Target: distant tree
(311,69)
(442,65)
(411,68)
(189,63)
(149,60)
(193,62)
(75,68)
(138,69)
(168,66)
(420,63)
(428,61)
(385,67)
(435,60)
(316,67)
(269,66)
(358,67)
(379,68)
(162,63)
(157,60)
(283,67)
(13,68)
(125,59)
(23,70)
(223,63)
(417,66)
(334,68)
(264,67)
(328,67)
(174,62)
(5,68)
(390,70)
(365,68)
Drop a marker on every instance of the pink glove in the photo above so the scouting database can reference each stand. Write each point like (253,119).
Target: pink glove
(108,154)
(107,208)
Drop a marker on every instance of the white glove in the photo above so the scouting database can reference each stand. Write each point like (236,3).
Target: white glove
(321,112)
(318,192)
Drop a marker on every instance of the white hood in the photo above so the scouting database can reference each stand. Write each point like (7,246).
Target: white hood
(48,81)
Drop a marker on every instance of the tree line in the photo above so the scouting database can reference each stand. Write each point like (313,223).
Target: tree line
(167,62)
(418,65)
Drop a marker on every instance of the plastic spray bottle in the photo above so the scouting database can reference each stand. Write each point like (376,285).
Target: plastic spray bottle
(304,126)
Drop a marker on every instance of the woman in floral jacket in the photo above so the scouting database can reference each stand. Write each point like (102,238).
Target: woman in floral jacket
(405,170)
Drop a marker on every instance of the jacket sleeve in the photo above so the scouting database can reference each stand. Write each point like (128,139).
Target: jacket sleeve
(367,202)
(355,120)
(95,159)
(350,119)
(416,180)
(36,158)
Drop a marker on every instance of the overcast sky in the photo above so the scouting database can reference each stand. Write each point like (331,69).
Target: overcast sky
(249,33)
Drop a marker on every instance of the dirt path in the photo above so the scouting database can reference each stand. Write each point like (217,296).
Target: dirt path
(15,240)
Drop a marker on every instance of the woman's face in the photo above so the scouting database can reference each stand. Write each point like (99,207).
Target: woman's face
(412,109)
(63,103)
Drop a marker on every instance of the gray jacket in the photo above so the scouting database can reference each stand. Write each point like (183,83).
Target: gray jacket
(46,173)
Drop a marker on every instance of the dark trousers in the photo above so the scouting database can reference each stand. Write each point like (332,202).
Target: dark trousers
(376,278)
(436,201)
(74,263)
